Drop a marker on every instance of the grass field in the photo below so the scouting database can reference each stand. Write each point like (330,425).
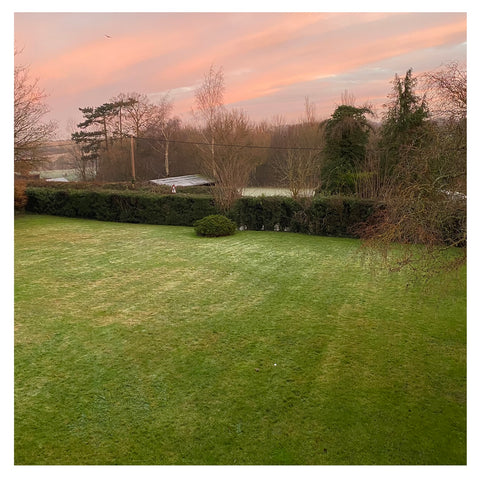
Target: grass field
(271,192)
(141,344)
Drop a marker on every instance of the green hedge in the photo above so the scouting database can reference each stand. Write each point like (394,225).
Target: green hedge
(330,216)
(119,206)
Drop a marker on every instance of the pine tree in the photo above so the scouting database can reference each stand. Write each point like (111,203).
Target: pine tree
(404,124)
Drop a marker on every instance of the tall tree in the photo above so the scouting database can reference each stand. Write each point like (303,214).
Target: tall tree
(404,123)
(423,201)
(30,132)
(97,132)
(234,161)
(164,127)
(137,113)
(346,138)
(99,117)
(209,105)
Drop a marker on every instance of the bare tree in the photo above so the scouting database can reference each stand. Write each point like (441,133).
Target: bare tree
(84,167)
(164,127)
(298,163)
(226,135)
(30,131)
(347,98)
(447,91)
(233,161)
(209,105)
(134,114)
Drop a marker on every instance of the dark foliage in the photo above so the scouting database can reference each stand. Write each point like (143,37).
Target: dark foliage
(120,206)
(329,216)
(215,226)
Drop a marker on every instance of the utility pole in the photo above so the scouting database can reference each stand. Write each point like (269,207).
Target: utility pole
(132,155)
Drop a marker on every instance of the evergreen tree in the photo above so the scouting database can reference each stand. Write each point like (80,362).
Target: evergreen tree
(404,125)
(94,130)
(346,138)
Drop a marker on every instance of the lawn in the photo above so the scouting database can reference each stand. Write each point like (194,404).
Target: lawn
(142,344)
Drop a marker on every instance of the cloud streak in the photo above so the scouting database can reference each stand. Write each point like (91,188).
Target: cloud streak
(269,59)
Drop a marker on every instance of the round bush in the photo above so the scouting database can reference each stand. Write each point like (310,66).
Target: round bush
(214,226)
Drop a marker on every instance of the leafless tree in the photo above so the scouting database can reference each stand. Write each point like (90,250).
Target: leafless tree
(446,90)
(135,114)
(233,161)
(347,98)
(163,127)
(298,163)
(31,132)
(209,105)
(224,154)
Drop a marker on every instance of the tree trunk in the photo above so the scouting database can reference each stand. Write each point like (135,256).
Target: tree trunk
(167,169)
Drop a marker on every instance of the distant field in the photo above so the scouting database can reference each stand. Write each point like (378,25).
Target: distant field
(69,174)
(270,192)
(143,344)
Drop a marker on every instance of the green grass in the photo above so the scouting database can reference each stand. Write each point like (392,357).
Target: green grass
(141,344)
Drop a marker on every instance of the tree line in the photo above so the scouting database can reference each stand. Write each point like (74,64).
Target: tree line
(412,158)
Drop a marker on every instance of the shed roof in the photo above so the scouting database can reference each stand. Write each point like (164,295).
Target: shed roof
(184,181)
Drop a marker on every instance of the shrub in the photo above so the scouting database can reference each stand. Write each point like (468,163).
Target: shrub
(328,216)
(120,206)
(215,226)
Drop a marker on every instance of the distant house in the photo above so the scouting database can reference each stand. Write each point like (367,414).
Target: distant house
(185,181)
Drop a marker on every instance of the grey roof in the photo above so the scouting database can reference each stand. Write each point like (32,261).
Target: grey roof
(184,181)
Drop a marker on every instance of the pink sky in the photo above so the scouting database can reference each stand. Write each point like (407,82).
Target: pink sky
(271,61)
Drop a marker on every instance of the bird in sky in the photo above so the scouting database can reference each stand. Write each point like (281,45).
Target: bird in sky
(108,36)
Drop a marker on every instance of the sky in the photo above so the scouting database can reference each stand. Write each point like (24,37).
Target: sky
(271,61)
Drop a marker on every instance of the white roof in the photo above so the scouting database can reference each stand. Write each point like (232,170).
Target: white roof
(183,181)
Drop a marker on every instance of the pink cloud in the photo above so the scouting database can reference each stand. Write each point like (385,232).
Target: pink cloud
(263,55)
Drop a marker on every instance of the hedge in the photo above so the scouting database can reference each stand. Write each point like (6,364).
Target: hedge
(326,216)
(329,216)
(120,206)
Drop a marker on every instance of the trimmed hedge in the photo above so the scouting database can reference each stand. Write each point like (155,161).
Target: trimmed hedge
(329,216)
(120,206)
(326,216)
